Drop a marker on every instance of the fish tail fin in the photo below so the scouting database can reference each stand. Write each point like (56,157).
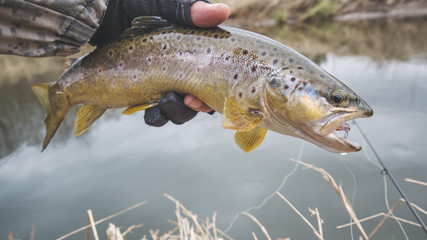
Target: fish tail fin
(54,114)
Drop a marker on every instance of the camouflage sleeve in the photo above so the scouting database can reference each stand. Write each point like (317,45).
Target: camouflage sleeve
(47,28)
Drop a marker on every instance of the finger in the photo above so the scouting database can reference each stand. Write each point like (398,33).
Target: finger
(196,104)
(153,117)
(209,15)
(172,106)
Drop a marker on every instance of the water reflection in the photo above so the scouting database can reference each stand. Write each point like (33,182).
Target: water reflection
(386,39)
(120,161)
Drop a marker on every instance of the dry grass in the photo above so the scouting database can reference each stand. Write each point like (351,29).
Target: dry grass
(350,210)
(188,226)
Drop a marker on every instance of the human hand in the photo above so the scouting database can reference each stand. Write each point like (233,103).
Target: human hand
(172,106)
(193,13)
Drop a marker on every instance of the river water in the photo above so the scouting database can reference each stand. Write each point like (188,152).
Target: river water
(120,161)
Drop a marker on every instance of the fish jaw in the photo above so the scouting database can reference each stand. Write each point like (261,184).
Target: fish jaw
(324,133)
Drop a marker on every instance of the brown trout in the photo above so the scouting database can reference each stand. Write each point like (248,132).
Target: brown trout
(255,82)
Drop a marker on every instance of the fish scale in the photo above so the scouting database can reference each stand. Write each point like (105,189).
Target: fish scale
(249,78)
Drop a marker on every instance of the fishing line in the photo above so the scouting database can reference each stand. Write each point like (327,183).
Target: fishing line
(387,204)
(385,185)
(285,179)
(354,192)
(385,171)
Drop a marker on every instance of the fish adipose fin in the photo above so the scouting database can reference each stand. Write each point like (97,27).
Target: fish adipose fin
(86,115)
(238,118)
(54,115)
(133,109)
(145,24)
(250,140)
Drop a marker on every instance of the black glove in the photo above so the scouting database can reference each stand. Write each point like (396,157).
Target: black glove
(171,107)
(120,14)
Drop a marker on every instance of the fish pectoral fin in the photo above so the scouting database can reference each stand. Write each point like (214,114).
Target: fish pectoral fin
(86,115)
(145,24)
(133,109)
(248,141)
(238,118)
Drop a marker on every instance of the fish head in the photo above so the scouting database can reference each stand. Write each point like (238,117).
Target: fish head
(309,103)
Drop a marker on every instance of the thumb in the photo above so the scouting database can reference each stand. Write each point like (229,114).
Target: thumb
(207,15)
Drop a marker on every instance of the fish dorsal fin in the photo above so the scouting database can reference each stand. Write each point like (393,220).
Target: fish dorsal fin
(86,115)
(133,109)
(238,118)
(69,62)
(145,24)
(248,141)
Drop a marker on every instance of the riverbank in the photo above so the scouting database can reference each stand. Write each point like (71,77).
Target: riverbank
(294,11)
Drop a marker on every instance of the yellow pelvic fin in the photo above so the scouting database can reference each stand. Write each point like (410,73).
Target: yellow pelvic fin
(250,140)
(86,115)
(133,109)
(237,118)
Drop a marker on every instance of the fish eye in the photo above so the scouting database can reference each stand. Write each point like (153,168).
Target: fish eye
(338,98)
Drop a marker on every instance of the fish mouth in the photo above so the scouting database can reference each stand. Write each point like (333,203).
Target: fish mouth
(327,136)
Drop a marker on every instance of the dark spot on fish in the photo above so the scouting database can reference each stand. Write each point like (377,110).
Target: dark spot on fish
(304,83)
(253,90)
(286,87)
(291,60)
(180,75)
(110,53)
(240,94)
(293,79)
(227,58)
(254,67)
(216,36)
(245,51)
(291,72)
(274,83)
(163,32)
(164,69)
(300,68)
(275,61)
(178,37)
(233,39)
(192,32)
(151,37)
(134,76)
(164,47)
(180,53)
(300,88)
(100,70)
(170,31)
(235,76)
(144,40)
(264,53)
(322,76)
(208,50)
(131,48)
(121,64)
(198,38)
